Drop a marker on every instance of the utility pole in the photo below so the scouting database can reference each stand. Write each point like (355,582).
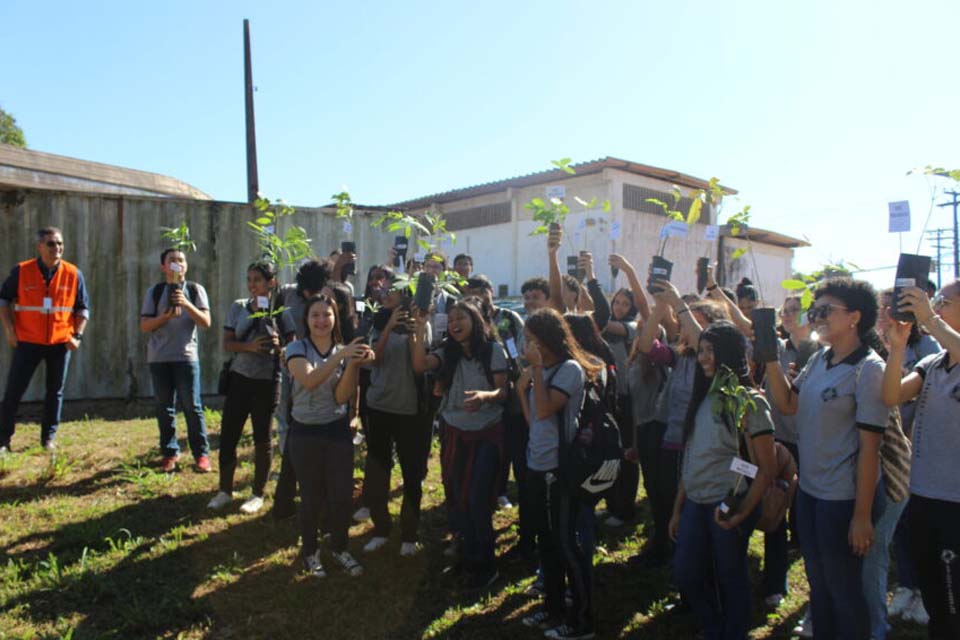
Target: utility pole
(956,247)
(940,235)
(253,180)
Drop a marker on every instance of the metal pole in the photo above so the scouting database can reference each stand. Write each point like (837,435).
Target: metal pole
(253,180)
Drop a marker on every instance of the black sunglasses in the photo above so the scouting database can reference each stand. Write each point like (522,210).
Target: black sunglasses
(821,312)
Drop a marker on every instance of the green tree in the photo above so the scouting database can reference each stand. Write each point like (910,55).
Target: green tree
(10,133)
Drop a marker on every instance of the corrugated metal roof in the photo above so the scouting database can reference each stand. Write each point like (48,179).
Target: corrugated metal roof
(552,175)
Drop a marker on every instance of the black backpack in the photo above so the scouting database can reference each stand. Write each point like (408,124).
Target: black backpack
(596,441)
(158,289)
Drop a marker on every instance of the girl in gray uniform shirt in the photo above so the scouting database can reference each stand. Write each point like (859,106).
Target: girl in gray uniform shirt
(325,375)
(840,423)
(933,511)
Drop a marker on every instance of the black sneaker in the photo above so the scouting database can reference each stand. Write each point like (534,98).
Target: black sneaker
(482,580)
(566,632)
(281,513)
(541,620)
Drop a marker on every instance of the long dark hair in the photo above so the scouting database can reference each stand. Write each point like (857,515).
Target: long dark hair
(552,331)
(730,352)
(336,334)
(585,332)
(632,313)
(481,342)
(346,313)
(387,276)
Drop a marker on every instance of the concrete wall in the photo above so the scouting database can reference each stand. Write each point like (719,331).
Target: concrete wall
(116,242)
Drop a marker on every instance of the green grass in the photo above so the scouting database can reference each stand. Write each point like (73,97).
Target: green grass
(96,543)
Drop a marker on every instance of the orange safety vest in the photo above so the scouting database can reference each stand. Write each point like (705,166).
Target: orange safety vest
(43,313)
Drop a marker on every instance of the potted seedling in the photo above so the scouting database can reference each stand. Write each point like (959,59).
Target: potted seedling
(177,238)
(731,406)
(660,267)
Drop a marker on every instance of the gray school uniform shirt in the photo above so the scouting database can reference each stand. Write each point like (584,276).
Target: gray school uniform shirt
(836,401)
(675,398)
(644,392)
(257,366)
(393,384)
(470,376)
(176,341)
(543,449)
(790,355)
(295,304)
(925,346)
(936,430)
(620,346)
(707,477)
(319,405)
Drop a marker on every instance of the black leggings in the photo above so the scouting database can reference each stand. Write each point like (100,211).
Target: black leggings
(661,477)
(935,546)
(622,499)
(258,400)
(411,434)
(322,457)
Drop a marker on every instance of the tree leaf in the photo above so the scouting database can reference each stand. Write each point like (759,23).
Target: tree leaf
(793,285)
(693,215)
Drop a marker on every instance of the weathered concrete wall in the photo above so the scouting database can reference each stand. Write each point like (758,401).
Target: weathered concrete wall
(116,242)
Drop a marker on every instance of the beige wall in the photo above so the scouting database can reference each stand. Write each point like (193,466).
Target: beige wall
(116,242)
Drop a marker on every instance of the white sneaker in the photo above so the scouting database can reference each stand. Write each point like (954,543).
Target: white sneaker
(408,549)
(375,543)
(252,505)
(348,563)
(916,612)
(220,500)
(902,598)
(503,502)
(312,566)
(361,515)
(773,601)
(613,521)
(805,628)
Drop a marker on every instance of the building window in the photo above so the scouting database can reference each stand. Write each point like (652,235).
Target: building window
(478,216)
(635,199)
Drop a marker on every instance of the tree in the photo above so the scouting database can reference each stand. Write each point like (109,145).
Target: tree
(10,133)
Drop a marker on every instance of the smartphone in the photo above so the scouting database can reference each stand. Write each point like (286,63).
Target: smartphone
(424,297)
(912,271)
(572,269)
(349,247)
(764,334)
(702,264)
(400,244)
(660,269)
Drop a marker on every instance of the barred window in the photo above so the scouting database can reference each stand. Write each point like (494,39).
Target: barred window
(478,216)
(635,199)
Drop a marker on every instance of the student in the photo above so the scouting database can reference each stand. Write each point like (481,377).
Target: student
(471,368)
(254,382)
(347,319)
(395,417)
(324,373)
(44,308)
(840,422)
(933,511)
(710,564)
(536,294)
(171,316)
(551,391)
(747,297)
(620,333)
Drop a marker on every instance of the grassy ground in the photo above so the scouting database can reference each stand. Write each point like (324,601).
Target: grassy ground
(95,543)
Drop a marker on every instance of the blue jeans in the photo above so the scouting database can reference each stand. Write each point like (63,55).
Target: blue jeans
(710,568)
(26,357)
(170,381)
(834,572)
(876,564)
(776,559)
(906,575)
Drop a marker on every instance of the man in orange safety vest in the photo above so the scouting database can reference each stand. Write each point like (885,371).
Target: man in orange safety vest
(44,307)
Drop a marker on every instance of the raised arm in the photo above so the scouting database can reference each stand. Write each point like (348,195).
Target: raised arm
(897,388)
(554,241)
(639,294)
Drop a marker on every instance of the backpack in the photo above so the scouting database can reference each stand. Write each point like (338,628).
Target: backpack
(597,440)
(778,497)
(192,293)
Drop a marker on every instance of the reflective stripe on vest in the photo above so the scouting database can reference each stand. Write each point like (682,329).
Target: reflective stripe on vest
(43,312)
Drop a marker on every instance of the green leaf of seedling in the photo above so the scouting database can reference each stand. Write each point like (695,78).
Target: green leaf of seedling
(677,195)
(605,206)
(255,226)
(738,253)
(264,220)
(453,238)
(693,215)
(423,244)
(407,231)
(564,165)
(793,285)
(806,300)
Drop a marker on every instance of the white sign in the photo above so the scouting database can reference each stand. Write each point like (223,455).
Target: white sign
(347,227)
(556,191)
(674,229)
(615,230)
(744,468)
(711,233)
(263,302)
(360,306)
(419,256)
(176,268)
(899,216)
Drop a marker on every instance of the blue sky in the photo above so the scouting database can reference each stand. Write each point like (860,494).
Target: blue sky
(814,111)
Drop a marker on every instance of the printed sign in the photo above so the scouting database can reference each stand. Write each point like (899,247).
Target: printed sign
(899,216)
(744,468)
(556,191)
(347,227)
(176,268)
(263,302)
(711,233)
(615,230)
(674,229)
(360,306)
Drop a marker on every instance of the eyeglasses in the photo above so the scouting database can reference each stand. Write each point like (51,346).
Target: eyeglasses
(940,302)
(821,312)
(54,243)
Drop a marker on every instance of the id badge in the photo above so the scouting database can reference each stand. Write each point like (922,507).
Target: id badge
(47,304)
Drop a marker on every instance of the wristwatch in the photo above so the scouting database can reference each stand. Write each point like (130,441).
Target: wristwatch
(78,337)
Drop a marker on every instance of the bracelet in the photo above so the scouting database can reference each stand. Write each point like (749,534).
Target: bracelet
(713,288)
(687,309)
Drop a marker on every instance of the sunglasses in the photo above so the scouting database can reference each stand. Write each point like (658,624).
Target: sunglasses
(821,312)
(53,243)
